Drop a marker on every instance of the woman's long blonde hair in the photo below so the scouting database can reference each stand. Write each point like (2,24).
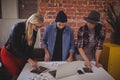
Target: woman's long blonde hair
(33,19)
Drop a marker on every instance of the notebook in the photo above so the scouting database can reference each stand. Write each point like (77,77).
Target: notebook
(65,70)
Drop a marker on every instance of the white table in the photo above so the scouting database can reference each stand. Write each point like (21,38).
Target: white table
(98,73)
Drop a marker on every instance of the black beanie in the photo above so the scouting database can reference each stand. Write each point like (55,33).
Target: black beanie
(61,17)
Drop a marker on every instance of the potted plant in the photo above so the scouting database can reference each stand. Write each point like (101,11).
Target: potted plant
(113,18)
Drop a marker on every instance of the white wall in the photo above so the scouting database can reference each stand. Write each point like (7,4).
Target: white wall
(5,26)
(9,8)
(9,17)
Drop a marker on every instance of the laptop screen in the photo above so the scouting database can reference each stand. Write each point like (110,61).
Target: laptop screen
(67,69)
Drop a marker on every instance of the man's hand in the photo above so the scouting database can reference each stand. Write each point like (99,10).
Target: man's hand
(69,59)
(47,57)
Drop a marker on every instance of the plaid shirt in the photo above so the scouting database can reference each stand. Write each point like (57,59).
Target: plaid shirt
(83,37)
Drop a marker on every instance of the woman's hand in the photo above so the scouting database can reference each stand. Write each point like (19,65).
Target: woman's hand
(97,57)
(33,63)
(88,64)
(98,65)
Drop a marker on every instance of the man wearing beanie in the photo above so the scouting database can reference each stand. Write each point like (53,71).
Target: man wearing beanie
(58,40)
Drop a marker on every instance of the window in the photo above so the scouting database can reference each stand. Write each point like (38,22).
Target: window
(26,8)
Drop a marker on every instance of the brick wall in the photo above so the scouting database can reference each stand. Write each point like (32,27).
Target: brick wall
(75,10)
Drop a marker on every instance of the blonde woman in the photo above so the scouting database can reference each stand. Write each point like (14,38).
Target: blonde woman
(19,46)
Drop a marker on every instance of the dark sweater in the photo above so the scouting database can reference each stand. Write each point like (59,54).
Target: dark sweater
(57,54)
(17,44)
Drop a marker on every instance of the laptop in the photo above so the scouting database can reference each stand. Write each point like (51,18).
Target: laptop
(65,70)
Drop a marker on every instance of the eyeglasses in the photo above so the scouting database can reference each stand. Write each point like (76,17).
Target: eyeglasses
(37,26)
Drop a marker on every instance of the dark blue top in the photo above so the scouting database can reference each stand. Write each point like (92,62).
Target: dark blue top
(17,44)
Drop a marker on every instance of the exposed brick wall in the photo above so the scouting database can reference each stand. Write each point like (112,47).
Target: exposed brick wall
(75,10)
